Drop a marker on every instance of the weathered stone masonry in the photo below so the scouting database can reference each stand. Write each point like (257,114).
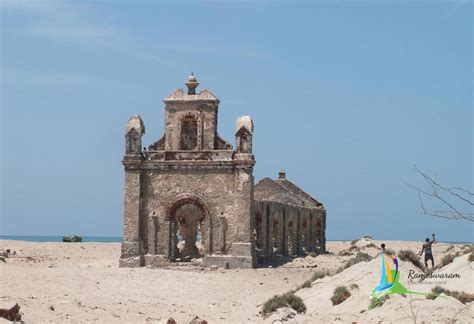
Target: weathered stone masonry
(192,184)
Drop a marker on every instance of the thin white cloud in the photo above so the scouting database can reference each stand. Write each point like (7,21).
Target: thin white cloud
(80,23)
(57,20)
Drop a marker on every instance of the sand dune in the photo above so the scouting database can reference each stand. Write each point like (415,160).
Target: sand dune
(83,283)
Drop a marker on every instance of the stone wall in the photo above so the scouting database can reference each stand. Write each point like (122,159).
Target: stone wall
(287,229)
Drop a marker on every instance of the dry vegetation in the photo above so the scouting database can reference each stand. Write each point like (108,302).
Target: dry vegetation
(462,296)
(377,302)
(286,300)
(340,294)
(409,255)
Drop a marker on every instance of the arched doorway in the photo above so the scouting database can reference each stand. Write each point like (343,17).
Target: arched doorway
(189,220)
(189,229)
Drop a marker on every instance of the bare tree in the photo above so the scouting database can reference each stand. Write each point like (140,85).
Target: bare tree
(413,315)
(455,200)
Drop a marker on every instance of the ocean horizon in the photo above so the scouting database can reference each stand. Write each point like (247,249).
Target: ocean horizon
(51,238)
(118,239)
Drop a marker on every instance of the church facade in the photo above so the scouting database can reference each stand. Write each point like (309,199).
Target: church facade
(190,194)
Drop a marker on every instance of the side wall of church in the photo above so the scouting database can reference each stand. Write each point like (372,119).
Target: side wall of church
(287,229)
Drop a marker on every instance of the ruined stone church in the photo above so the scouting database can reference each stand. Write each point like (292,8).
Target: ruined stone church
(191,195)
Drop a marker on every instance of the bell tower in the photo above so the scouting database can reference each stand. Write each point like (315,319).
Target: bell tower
(191,119)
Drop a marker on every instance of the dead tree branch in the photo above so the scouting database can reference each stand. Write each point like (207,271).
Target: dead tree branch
(455,199)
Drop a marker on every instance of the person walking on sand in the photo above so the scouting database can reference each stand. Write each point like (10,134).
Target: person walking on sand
(428,252)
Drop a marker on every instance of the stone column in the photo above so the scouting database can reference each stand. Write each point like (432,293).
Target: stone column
(243,220)
(299,227)
(312,230)
(131,255)
(268,247)
(323,232)
(285,231)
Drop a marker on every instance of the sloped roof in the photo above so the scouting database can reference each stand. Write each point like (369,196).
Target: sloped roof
(284,192)
(180,95)
(287,184)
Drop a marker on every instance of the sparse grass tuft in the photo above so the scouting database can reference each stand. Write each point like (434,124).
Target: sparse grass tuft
(353,286)
(340,294)
(471,257)
(318,275)
(345,253)
(462,296)
(353,242)
(354,248)
(409,255)
(286,300)
(360,256)
(431,295)
(306,284)
(450,248)
(467,249)
(377,302)
(372,245)
(312,254)
(390,252)
(447,259)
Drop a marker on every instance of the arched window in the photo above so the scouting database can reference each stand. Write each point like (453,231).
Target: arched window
(244,144)
(188,133)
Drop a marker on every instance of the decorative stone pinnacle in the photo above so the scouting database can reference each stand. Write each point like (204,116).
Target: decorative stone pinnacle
(192,84)
(282,174)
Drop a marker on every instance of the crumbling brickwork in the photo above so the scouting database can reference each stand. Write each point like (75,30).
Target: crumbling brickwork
(191,195)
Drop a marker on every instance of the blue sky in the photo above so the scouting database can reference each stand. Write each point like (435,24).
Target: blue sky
(346,97)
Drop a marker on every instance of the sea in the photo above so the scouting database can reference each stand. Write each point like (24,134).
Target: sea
(105,239)
(37,238)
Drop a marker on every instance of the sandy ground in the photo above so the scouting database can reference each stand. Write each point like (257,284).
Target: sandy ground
(81,282)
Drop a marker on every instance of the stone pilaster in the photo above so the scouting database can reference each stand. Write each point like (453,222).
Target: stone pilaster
(132,250)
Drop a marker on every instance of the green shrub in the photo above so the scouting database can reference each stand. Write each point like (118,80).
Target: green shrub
(432,295)
(318,275)
(447,259)
(377,302)
(306,284)
(345,253)
(471,257)
(340,294)
(409,255)
(354,248)
(467,248)
(438,290)
(286,300)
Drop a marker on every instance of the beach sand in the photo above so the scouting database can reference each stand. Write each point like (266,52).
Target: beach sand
(81,282)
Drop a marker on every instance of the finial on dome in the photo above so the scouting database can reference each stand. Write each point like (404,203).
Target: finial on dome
(192,84)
